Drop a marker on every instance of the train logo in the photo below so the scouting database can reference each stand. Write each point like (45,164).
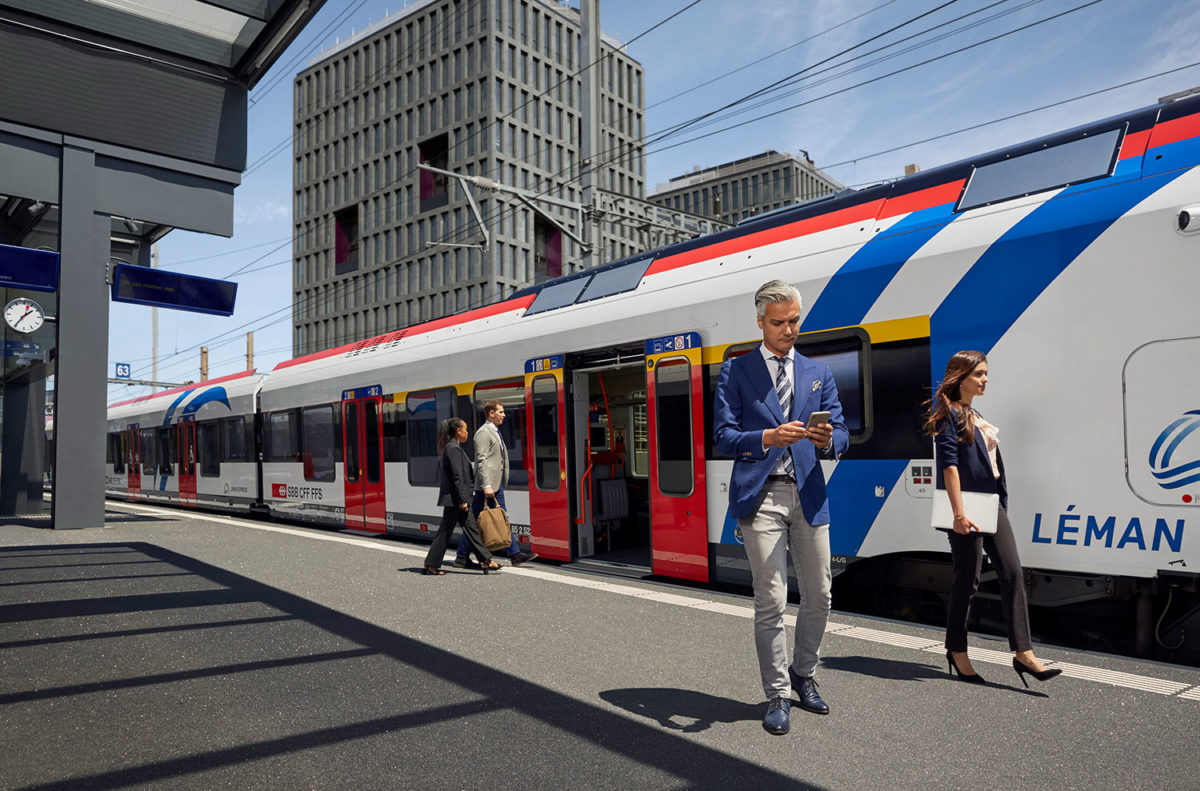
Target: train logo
(1171,469)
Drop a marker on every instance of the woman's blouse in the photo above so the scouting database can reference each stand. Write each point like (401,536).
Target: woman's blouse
(990,437)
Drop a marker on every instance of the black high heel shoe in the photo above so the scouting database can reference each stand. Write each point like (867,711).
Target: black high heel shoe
(1040,675)
(973,678)
(491,565)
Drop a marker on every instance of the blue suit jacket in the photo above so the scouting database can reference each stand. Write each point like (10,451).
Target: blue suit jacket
(747,404)
(974,467)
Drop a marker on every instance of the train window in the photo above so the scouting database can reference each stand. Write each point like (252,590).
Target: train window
(641,439)
(395,432)
(116,451)
(673,415)
(282,436)
(166,450)
(510,393)
(208,448)
(353,465)
(557,296)
(235,438)
(545,434)
(712,377)
(317,429)
(847,353)
(371,441)
(426,411)
(900,386)
(1088,158)
(146,440)
(625,277)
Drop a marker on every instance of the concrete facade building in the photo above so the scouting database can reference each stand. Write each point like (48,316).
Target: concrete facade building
(754,185)
(484,88)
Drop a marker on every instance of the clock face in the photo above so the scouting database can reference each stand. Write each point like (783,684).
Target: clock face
(24,315)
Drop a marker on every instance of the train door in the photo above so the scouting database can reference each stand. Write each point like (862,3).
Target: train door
(546,441)
(678,499)
(363,464)
(611,455)
(135,459)
(187,462)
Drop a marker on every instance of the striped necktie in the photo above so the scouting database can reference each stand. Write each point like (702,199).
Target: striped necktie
(784,388)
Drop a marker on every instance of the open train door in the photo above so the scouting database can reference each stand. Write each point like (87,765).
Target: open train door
(546,458)
(678,499)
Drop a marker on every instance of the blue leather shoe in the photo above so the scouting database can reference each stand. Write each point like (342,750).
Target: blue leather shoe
(806,688)
(778,718)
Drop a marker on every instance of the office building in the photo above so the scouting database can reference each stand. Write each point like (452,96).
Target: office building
(737,190)
(486,88)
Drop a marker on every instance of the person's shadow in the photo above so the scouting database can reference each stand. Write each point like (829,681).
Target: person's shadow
(682,710)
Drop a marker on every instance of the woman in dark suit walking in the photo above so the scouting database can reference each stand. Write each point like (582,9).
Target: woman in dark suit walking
(457,483)
(968,459)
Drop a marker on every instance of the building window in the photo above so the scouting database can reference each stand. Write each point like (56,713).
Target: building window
(434,152)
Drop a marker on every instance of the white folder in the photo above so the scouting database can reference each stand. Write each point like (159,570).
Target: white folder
(982,509)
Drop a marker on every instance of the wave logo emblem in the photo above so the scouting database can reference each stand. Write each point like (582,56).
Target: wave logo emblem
(1169,471)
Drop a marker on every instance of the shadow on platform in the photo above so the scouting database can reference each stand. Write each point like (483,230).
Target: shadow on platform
(170,669)
(665,706)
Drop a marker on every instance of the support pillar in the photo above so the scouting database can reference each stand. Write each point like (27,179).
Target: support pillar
(81,383)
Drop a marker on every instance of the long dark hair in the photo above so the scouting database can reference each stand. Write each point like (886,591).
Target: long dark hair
(447,431)
(949,392)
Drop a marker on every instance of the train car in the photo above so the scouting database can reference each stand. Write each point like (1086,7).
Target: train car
(1069,260)
(190,446)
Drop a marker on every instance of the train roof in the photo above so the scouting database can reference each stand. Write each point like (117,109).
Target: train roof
(158,400)
(934,187)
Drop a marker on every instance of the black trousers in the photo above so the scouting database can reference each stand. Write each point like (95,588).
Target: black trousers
(451,518)
(967,554)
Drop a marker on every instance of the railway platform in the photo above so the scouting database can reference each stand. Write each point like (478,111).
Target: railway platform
(195,651)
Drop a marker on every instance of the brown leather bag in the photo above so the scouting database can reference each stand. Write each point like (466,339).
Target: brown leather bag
(494,526)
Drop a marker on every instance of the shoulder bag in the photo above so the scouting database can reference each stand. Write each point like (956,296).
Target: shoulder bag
(494,526)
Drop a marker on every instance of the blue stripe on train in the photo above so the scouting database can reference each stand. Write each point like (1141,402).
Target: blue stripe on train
(1022,263)
(856,286)
(854,502)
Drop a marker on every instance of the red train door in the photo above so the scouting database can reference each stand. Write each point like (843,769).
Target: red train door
(362,439)
(678,498)
(187,462)
(546,458)
(135,460)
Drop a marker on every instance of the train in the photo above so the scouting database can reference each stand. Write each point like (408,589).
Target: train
(1072,261)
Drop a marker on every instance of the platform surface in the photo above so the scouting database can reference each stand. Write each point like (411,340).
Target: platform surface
(193,651)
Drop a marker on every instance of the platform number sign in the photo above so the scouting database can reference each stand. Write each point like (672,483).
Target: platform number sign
(123,371)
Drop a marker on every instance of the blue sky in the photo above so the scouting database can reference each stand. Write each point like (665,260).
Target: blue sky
(848,116)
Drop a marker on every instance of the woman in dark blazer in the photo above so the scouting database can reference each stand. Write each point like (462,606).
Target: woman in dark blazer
(457,483)
(968,459)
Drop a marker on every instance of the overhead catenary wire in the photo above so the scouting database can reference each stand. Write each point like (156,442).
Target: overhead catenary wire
(998,120)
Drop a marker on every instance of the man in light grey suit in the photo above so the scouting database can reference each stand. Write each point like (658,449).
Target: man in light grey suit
(491,473)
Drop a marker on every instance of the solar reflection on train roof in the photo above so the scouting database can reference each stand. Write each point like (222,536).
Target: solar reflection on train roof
(613,281)
(557,295)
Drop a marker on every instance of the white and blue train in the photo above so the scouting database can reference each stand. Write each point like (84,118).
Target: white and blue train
(1073,261)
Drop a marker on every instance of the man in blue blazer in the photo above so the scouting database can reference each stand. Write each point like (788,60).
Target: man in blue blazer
(777,491)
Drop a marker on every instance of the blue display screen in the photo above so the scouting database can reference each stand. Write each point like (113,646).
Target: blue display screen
(144,286)
(24,267)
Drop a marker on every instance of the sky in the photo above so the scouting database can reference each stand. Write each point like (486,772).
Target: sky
(869,81)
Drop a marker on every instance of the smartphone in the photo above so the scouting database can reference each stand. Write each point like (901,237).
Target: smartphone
(817,418)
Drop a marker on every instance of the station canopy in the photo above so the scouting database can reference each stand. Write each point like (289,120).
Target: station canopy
(236,40)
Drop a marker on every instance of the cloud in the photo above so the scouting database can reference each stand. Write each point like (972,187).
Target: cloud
(266,212)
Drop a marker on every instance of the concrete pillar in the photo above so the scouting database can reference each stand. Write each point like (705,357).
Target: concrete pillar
(81,384)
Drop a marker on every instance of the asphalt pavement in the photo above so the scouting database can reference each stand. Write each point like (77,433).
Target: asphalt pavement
(192,651)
